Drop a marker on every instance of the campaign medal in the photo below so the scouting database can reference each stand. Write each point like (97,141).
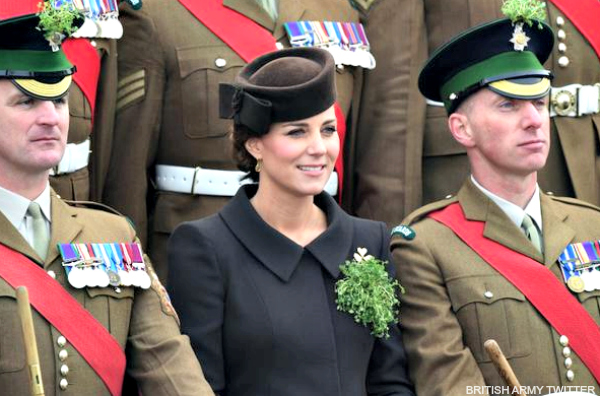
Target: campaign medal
(568,261)
(575,283)
(346,41)
(71,261)
(143,278)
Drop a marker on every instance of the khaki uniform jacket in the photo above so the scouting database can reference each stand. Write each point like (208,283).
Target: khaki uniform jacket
(168,108)
(417,161)
(159,358)
(86,184)
(455,301)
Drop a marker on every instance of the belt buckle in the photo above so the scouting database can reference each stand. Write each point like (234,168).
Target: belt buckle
(564,103)
(196,170)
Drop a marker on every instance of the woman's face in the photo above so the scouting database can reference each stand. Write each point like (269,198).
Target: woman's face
(298,156)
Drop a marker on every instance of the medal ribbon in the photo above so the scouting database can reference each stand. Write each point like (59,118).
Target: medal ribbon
(568,318)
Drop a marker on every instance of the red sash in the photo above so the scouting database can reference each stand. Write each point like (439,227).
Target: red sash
(80,51)
(547,294)
(82,54)
(250,40)
(584,14)
(95,344)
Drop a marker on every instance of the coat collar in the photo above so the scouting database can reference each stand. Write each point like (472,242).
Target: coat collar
(289,10)
(498,227)
(278,253)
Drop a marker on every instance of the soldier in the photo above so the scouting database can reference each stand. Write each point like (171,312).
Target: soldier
(80,265)
(171,160)
(502,260)
(80,175)
(417,161)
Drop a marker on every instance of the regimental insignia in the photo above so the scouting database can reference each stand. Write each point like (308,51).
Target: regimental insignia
(362,5)
(165,299)
(519,37)
(346,41)
(104,264)
(580,266)
(404,231)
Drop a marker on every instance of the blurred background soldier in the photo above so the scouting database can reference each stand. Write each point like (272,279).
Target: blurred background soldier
(171,161)
(418,161)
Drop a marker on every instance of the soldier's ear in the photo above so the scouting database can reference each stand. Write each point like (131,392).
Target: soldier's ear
(460,128)
(254,146)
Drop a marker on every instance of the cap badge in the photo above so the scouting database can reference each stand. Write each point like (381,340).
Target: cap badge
(519,37)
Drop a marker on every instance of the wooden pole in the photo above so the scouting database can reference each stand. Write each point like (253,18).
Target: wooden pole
(503,367)
(33,360)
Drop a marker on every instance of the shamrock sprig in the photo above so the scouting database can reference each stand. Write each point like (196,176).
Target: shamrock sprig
(56,21)
(368,293)
(525,11)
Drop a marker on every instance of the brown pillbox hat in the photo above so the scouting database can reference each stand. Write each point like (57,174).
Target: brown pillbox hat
(285,85)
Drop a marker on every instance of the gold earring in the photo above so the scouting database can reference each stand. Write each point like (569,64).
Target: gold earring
(258,166)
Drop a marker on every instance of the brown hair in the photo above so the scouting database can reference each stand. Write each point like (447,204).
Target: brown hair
(245,162)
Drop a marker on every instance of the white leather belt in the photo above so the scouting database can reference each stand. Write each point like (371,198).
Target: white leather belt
(574,100)
(76,157)
(200,181)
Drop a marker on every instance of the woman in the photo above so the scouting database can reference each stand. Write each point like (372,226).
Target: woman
(254,285)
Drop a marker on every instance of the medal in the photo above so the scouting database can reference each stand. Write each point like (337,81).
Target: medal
(576,284)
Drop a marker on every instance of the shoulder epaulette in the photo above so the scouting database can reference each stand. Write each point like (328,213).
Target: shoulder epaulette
(573,201)
(423,211)
(405,231)
(98,206)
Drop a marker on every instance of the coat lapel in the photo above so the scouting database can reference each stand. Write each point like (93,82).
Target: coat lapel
(65,226)
(557,233)
(10,237)
(252,10)
(498,227)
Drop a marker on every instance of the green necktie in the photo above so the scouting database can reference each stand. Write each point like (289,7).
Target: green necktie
(41,237)
(532,232)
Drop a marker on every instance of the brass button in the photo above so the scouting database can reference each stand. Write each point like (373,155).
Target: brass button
(570,375)
(64,370)
(61,341)
(488,294)
(63,384)
(453,96)
(562,48)
(561,34)
(52,274)
(63,355)
(560,21)
(448,196)
(566,351)
(93,43)
(220,62)
(568,362)
(564,340)
(563,61)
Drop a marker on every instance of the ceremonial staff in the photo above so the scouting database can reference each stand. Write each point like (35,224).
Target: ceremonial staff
(495,353)
(33,360)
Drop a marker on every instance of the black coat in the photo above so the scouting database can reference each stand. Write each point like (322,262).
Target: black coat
(260,310)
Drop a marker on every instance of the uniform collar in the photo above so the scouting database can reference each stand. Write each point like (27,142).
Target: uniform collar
(514,212)
(14,206)
(280,254)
